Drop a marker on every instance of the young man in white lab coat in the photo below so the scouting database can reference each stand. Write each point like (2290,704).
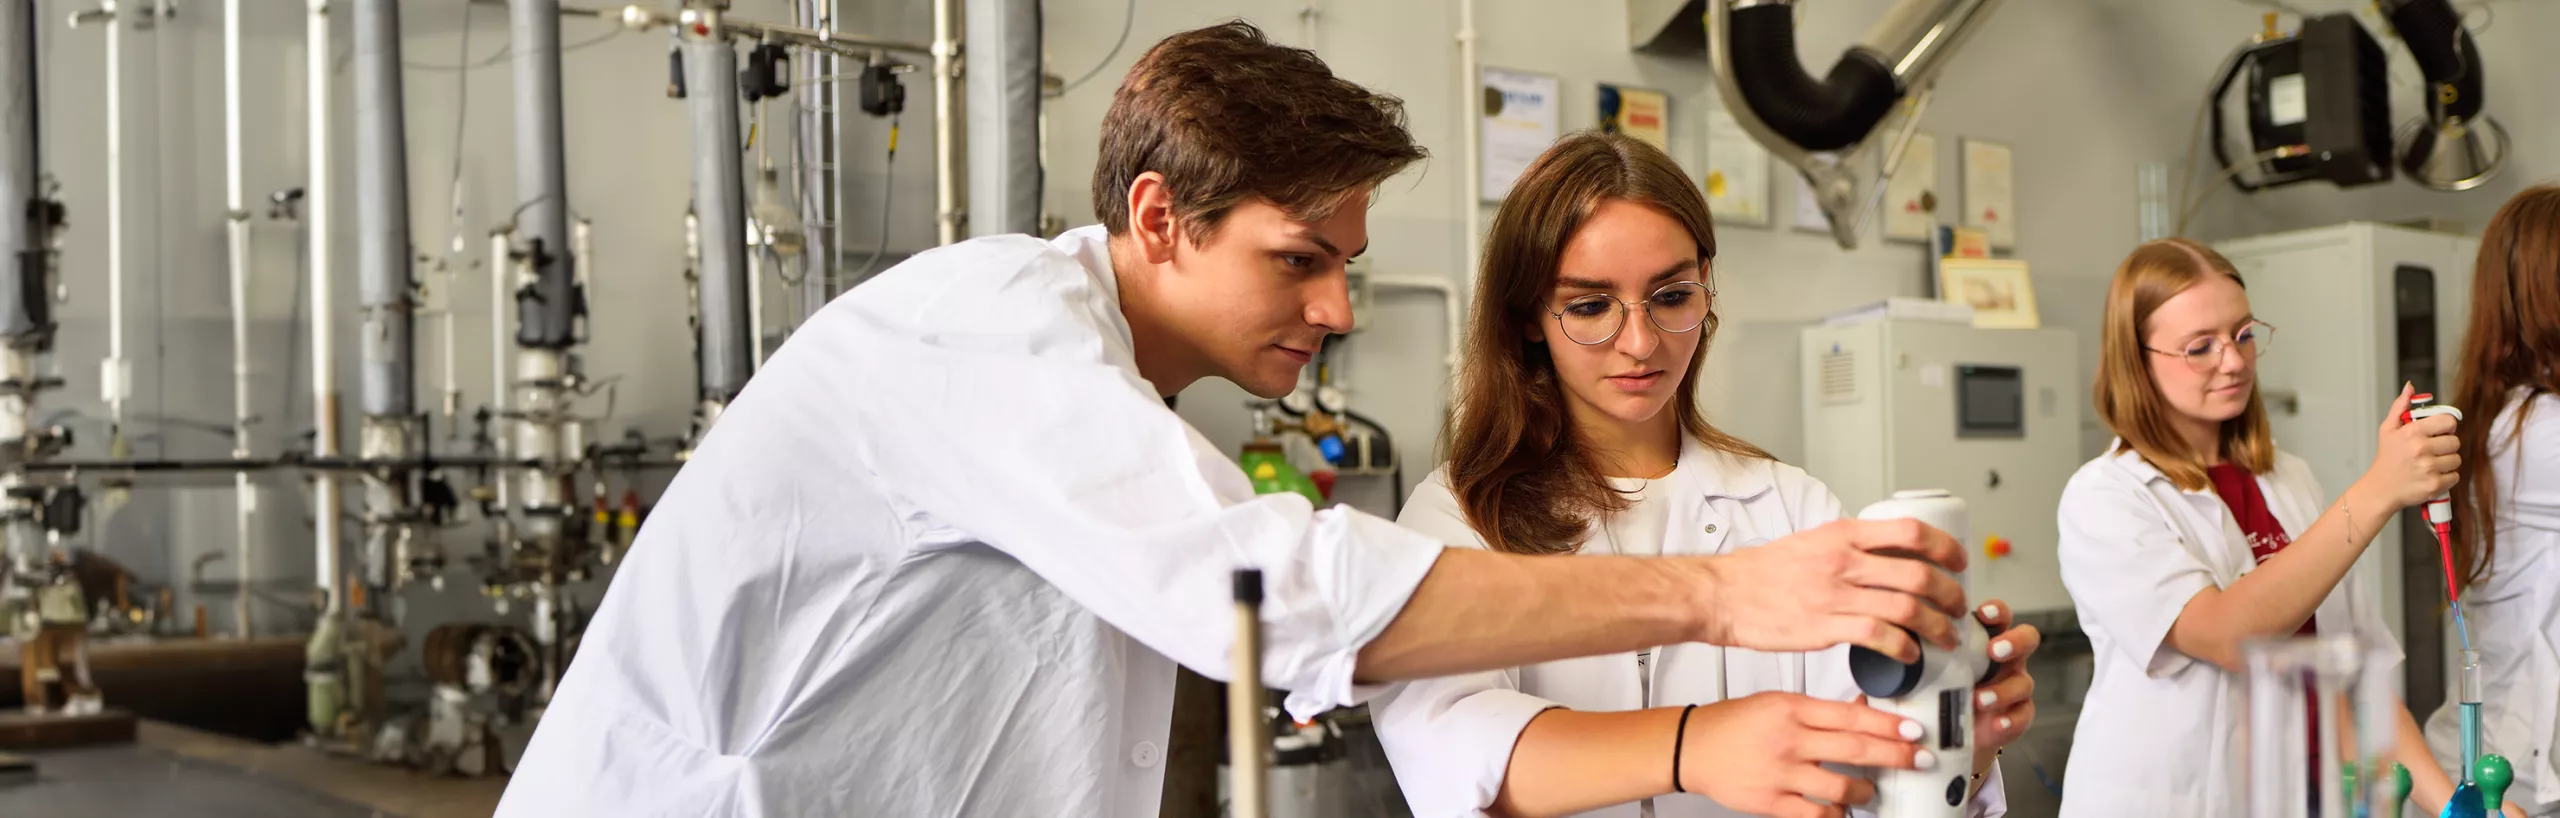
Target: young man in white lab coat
(942,556)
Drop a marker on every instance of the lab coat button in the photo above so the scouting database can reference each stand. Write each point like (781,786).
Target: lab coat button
(1711,528)
(1145,755)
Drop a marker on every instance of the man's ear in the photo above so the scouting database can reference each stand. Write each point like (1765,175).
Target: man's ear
(1151,221)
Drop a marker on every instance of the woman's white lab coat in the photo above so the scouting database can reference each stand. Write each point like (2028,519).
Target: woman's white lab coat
(2515,614)
(2160,731)
(1450,739)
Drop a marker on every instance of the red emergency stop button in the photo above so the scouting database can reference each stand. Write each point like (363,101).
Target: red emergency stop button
(1995,546)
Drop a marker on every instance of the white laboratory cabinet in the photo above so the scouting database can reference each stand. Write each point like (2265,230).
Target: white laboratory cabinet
(2360,308)
(1992,415)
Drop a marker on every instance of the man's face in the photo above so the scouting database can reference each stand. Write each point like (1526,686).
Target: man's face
(1258,297)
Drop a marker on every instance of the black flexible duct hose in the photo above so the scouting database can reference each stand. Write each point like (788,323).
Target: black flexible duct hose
(2444,53)
(1818,115)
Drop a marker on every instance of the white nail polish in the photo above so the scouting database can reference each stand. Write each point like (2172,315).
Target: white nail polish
(1987,698)
(1923,761)
(2004,722)
(1911,731)
(1991,611)
(2001,650)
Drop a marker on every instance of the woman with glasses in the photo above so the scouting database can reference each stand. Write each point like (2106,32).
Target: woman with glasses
(1576,431)
(2506,508)
(2193,535)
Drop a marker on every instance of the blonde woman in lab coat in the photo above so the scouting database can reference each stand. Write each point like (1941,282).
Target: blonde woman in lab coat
(2506,533)
(1576,431)
(2194,534)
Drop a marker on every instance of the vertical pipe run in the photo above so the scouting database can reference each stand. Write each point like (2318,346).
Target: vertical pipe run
(389,348)
(502,271)
(324,356)
(382,214)
(1471,98)
(711,100)
(1248,734)
(244,509)
(1004,116)
(114,379)
(816,147)
(24,319)
(946,161)
(547,309)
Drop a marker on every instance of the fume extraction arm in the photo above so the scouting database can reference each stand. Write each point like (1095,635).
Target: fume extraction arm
(2454,146)
(2318,105)
(1823,126)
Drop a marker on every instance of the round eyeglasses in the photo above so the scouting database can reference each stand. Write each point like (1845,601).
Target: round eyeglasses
(2205,354)
(1595,319)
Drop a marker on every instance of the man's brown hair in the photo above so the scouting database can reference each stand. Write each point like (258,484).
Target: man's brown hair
(1226,115)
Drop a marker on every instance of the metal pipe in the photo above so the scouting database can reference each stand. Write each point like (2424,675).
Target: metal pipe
(815,148)
(1004,114)
(26,322)
(501,267)
(1470,91)
(324,362)
(1917,36)
(582,251)
(1451,312)
(244,509)
(389,374)
(719,197)
(946,140)
(833,42)
(114,377)
(761,235)
(389,348)
(548,309)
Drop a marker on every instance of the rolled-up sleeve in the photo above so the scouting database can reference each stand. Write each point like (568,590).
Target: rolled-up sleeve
(1001,402)
(1450,739)
(2125,568)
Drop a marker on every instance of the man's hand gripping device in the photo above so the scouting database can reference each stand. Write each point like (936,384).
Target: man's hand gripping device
(1936,691)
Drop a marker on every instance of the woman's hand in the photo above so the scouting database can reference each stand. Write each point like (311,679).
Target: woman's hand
(2005,706)
(1762,754)
(2412,462)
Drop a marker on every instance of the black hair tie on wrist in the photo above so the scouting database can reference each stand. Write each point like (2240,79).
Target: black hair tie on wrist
(1677,740)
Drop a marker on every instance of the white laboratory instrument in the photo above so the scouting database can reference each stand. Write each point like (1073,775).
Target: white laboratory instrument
(2359,309)
(1990,415)
(1936,691)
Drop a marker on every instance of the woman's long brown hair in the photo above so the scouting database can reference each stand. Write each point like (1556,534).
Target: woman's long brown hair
(1525,478)
(2513,342)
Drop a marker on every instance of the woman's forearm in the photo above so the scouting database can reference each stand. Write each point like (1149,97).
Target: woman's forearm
(2275,598)
(1568,761)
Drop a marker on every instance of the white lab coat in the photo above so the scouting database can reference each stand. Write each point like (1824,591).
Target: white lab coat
(1450,739)
(2515,615)
(939,560)
(2160,731)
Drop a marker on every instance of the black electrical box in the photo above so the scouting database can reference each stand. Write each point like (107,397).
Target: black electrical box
(881,93)
(2325,94)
